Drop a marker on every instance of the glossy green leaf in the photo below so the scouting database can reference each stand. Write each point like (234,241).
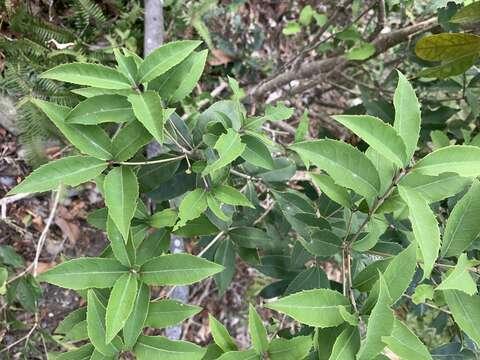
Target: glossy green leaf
(240,355)
(88,74)
(462,226)
(191,207)
(148,109)
(177,269)
(385,168)
(164,218)
(118,244)
(159,347)
(128,140)
(425,227)
(350,318)
(165,313)
(84,273)
(164,58)
(257,153)
(317,307)
(451,67)
(466,312)
(229,147)
(89,92)
(225,256)
(287,349)
(257,331)
(221,336)
(91,140)
(446,46)
(121,194)
(380,324)
(379,135)
(308,279)
(120,304)
(347,344)
(216,207)
(374,229)
(335,192)
(461,159)
(231,196)
(250,237)
(101,109)
(82,353)
(345,164)
(72,319)
(178,82)
(96,327)
(72,170)
(407,115)
(366,279)
(127,66)
(405,343)
(137,319)
(460,278)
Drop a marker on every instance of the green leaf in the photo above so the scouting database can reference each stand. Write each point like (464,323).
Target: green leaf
(302,128)
(422,293)
(165,313)
(362,52)
(147,107)
(306,15)
(466,312)
(221,336)
(127,66)
(385,168)
(451,67)
(257,153)
(231,196)
(240,355)
(350,318)
(367,278)
(229,147)
(82,353)
(405,343)
(177,269)
(225,256)
(323,243)
(89,92)
(178,82)
(101,109)
(121,194)
(335,192)
(380,324)
(278,112)
(118,244)
(439,139)
(459,278)
(461,159)
(72,319)
(257,331)
(88,74)
(462,226)
(345,164)
(129,140)
(425,227)
(84,273)
(407,114)
(447,46)
(374,229)
(289,349)
(120,304)
(317,307)
(3,280)
(250,237)
(291,28)
(308,279)
(379,135)
(72,170)
(164,218)
(347,344)
(216,207)
(164,58)
(91,140)
(468,14)
(137,319)
(159,347)
(96,327)
(191,207)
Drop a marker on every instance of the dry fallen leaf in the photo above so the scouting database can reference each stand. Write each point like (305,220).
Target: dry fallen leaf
(218,58)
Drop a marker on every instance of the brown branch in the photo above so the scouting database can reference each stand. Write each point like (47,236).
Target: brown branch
(339,62)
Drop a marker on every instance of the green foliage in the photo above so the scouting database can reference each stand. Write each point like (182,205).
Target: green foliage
(382,200)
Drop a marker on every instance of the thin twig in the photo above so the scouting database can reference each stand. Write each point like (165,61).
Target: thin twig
(150,162)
